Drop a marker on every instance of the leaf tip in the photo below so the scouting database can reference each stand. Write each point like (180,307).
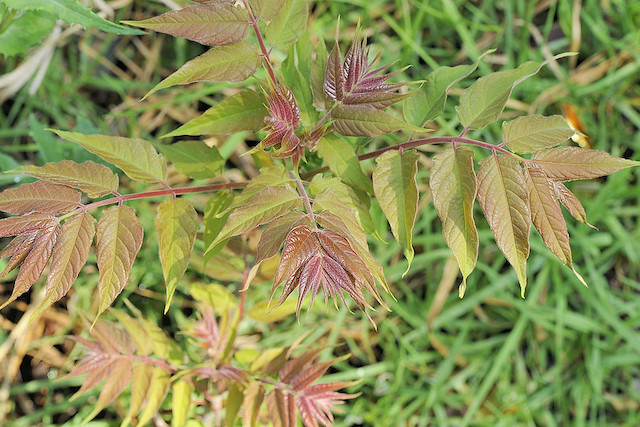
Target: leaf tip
(462,288)
(579,277)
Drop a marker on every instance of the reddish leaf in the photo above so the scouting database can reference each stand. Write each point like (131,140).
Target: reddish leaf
(274,234)
(334,77)
(39,196)
(214,24)
(282,122)
(571,202)
(18,250)
(569,163)
(25,224)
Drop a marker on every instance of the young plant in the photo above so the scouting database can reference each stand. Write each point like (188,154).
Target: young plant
(314,221)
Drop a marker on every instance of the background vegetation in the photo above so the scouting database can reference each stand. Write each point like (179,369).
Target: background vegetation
(564,355)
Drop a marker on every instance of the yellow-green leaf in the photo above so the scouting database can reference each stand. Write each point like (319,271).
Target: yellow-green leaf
(356,120)
(262,312)
(453,187)
(253,398)
(215,296)
(116,381)
(568,163)
(195,159)
(92,178)
(180,402)
(155,396)
(263,207)
(232,63)
(214,24)
(265,9)
(503,196)
(142,375)
(531,133)
(287,24)
(135,156)
(69,255)
(176,225)
(214,223)
(118,240)
(394,183)
(343,161)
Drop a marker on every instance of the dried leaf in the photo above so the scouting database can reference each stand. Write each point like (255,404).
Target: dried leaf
(176,225)
(215,24)
(69,255)
(394,183)
(531,133)
(136,157)
(239,112)
(265,206)
(569,163)
(453,187)
(503,196)
(232,63)
(92,178)
(118,240)
(39,196)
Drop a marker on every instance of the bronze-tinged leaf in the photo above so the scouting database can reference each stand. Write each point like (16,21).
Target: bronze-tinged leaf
(547,216)
(24,224)
(118,240)
(18,252)
(281,408)
(327,201)
(571,202)
(503,196)
(253,398)
(453,187)
(15,245)
(115,383)
(569,163)
(35,261)
(69,255)
(39,196)
(142,374)
(92,178)
(358,120)
(155,396)
(176,225)
(264,207)
(214,24)
(274,234)
(334,77)
(300,245)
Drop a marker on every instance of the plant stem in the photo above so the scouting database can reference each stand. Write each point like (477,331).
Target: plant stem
(157,193)
(305,196)
(149,361)
(253,20)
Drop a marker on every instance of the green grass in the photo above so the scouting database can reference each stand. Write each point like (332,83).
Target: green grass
(565,355)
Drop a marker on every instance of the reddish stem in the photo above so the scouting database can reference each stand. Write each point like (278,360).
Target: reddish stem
(253,20)
(149,361)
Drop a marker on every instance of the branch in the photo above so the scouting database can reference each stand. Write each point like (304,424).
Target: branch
(265,53)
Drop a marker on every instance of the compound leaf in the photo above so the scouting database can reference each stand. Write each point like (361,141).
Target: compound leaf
(39,196)
(134,156)
(176,225)
(194,159)
(288,23)
(394,183)
(94,179)
(503,196)
(242,111)
(531,133)
(118,240)
(231,63)
(568,163)
(453,187)
(215,24)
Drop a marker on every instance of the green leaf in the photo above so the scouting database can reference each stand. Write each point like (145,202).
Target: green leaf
(217,297)
(118,240)
(318,71)
(271,176)
(215,24)
(288,24)
(453,187)
(351,120)
(155,395)
(503,196)
(262,312)
(242,111)
(298,82)
(176,225)
(142,375)
(343,162)
(428,102)
(394,183)
(265,206)
(180,402)
(232,63)
(72,12)
(92,178)
(531,133)
(26,30)
(194,159)
(265,9)
(483,102)
(235,397)
(135,156)
(569,163)
(213,223)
